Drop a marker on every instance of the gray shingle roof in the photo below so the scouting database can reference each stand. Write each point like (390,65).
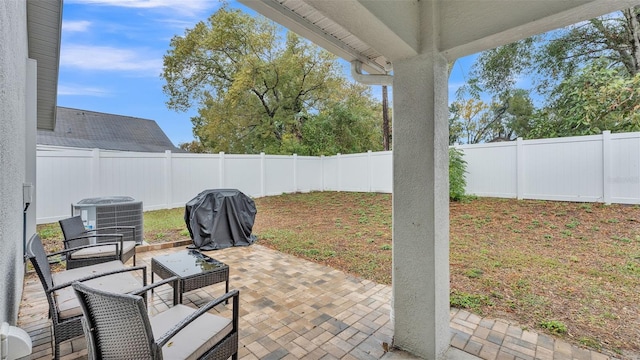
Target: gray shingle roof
(90,129)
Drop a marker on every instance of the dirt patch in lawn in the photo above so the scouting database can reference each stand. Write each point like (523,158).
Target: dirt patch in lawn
(567,269)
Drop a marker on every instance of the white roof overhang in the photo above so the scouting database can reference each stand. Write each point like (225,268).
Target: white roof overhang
(44,26)
(378,32)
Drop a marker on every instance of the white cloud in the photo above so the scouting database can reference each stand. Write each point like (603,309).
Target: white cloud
(72,89)
(75,26)
(108,58)
(453,86)
(182,6)
(178,24)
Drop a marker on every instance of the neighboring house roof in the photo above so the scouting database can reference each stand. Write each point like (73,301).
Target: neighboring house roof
(90,129)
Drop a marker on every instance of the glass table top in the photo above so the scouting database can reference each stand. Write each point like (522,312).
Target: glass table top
(189,262)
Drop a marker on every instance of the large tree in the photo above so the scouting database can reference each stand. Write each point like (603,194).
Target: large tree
(609,46)
(595,99)
(558,55)
(254,90)
(473,121)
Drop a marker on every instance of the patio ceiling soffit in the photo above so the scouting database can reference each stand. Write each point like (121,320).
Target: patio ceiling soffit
(378,32)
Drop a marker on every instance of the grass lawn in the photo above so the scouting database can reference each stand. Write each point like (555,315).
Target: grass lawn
(567,269)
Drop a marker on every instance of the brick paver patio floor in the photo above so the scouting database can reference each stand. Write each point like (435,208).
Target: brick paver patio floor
(295,309)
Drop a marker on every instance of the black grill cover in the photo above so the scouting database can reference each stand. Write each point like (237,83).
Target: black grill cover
(220,218)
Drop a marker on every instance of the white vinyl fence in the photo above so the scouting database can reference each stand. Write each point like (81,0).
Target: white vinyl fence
(599,168)
(169,180)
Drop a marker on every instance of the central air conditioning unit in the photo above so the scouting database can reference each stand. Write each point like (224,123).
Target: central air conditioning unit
(107,211)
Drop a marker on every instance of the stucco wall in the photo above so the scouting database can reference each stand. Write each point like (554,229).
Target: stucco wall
(13,60)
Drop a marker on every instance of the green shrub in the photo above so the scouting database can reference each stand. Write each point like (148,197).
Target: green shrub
(554,326)
(49,232)
(457,170)
(462,300)
(590,342)
(474,273)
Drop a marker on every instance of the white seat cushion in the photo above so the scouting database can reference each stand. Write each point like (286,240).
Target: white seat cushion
(104,250)
(194,340)
(68,303)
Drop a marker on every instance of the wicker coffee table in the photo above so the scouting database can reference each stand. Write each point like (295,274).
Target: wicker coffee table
(195,270)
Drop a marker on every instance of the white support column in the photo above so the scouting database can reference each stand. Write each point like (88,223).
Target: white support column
(421,206)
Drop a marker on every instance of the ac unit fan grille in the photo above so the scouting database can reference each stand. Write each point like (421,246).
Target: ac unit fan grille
(112,211)
(121,215)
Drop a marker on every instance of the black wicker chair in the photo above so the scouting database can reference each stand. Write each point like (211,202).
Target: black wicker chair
(115,246)
(117,326)
(64,307)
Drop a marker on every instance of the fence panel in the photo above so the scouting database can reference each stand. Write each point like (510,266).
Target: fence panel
(309,174)
(243,172)
(60,181)
(566,171)
(354,172)
(330,173)
(192,174)
(382,171)
(491,169)
(139,175)
(624,171)
(279,174)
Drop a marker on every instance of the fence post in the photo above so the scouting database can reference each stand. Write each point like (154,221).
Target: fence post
(168,181)
(606,167)
(321,172)
(369,171)
(295,173)
(263,175)
(221,170)
(95,172)
(339,171)
(519,168)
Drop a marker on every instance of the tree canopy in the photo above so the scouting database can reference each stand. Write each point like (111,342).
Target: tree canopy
(473,121)
(259,91)
(587,74)
(558,55)
(595,99)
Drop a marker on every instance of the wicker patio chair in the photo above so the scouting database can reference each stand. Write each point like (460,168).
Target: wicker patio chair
(64,306)
(75,235)
(117,326)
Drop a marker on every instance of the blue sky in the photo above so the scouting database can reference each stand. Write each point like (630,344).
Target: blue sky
(111,57)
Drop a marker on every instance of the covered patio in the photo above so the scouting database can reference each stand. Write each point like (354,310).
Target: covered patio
(292,308)
(410,44)
(295,309)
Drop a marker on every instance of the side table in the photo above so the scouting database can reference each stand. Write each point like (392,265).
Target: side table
(193,268)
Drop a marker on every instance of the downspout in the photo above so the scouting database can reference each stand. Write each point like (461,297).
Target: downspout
(369,79)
